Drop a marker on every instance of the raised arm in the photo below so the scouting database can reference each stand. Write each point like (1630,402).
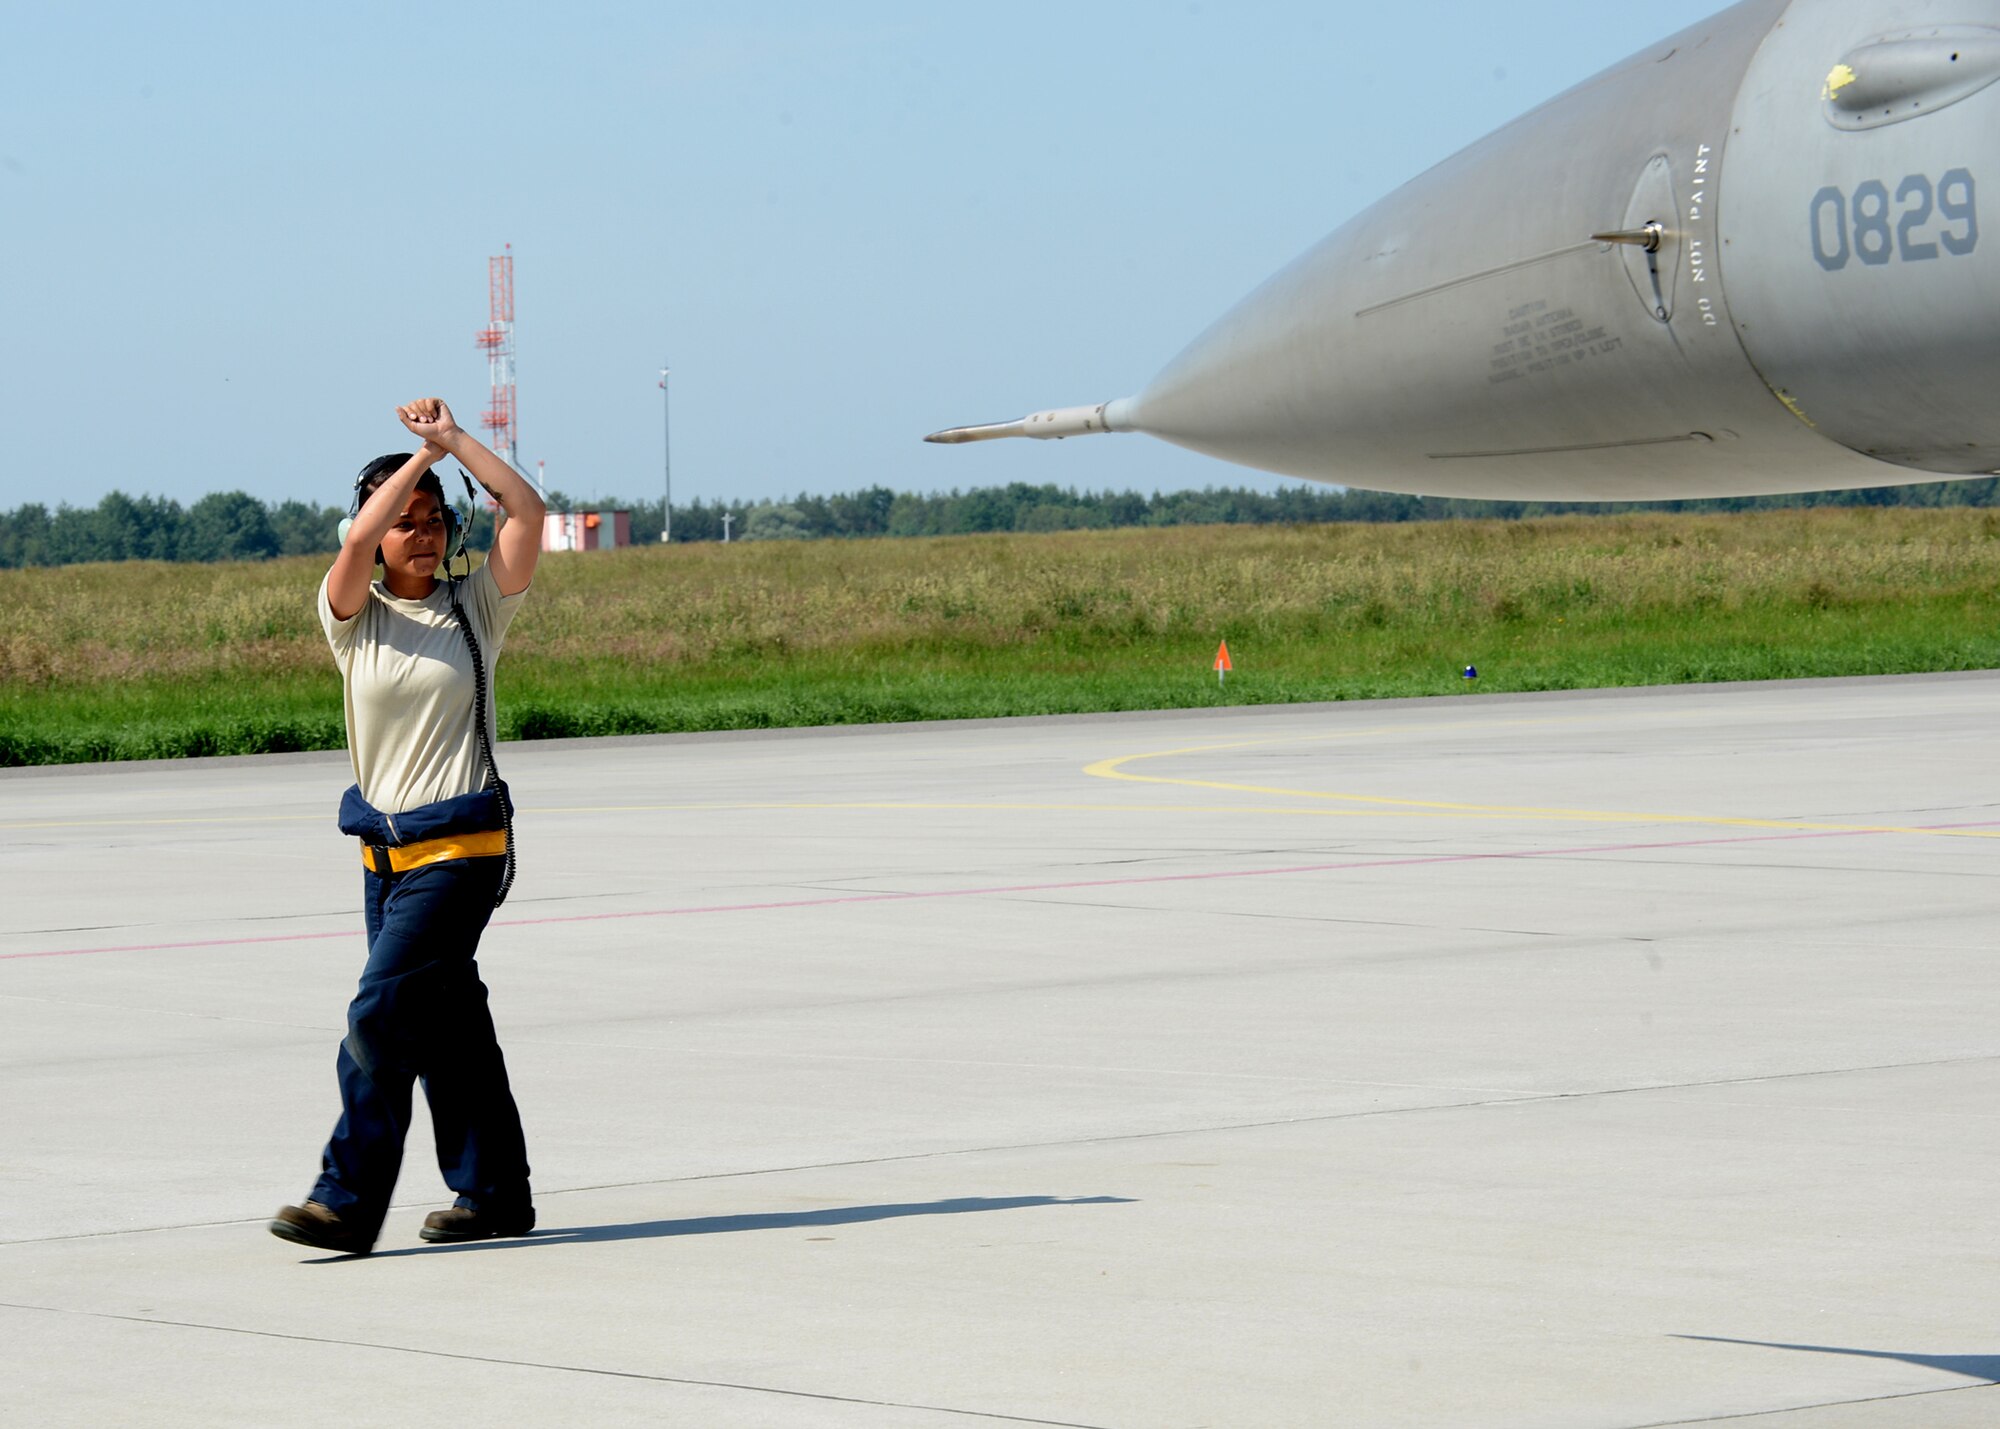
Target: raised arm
(519,544)
(347,582)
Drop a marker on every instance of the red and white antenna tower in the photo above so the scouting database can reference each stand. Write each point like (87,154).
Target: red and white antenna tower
(497,338)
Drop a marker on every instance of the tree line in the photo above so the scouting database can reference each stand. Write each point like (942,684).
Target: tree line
(235,526)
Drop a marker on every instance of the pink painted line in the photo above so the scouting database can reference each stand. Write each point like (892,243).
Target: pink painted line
(998,890)
(1001,889)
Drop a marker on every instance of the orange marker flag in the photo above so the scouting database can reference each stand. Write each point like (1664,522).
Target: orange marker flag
(1222,665)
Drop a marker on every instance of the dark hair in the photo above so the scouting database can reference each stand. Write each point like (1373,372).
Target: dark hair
(379,471)
(384,467)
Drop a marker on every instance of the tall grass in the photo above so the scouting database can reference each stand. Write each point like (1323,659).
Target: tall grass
(143,659)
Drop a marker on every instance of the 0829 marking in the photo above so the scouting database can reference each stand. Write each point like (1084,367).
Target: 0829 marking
(1844,229)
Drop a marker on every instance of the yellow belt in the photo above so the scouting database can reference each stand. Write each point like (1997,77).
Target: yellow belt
(409,856)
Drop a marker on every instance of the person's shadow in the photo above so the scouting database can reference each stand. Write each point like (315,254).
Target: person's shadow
(756,1221)
(1980,1367)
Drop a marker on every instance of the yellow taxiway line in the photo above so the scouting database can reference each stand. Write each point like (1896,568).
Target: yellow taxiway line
(1115,769)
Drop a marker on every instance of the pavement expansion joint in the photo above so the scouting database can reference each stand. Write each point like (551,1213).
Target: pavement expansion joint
(1503,1099)
(1739,1418)
(322,1028)
(687,1380)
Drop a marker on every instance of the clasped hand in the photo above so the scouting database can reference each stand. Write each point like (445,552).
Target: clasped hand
(431,419)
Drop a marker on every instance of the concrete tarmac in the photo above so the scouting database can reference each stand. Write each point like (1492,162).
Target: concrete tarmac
(1619,1059)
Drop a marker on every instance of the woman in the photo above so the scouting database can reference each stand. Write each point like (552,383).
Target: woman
(435,827)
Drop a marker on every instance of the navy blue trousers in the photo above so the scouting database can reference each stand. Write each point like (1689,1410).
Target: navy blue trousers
(420,1013)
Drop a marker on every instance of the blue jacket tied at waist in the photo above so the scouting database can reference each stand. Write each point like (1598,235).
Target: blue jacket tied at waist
(478,812)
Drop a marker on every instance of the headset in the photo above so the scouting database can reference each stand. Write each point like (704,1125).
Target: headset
(456,525)
(455,529)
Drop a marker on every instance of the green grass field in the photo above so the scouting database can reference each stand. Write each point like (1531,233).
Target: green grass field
(141,660)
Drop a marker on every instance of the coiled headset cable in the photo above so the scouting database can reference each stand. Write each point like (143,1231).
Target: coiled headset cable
(480,692)
(480,695)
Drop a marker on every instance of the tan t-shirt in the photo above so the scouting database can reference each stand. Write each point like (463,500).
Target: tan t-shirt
(406,675)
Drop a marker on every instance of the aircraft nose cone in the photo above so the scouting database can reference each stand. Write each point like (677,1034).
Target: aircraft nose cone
(1265,383)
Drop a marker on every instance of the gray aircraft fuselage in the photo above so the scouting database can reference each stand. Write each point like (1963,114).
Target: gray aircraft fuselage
(1746,260)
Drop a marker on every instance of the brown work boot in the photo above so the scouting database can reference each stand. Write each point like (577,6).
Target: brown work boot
(466,1223)
(314,1225)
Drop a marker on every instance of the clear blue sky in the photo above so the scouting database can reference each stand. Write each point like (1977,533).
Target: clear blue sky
(233,235)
